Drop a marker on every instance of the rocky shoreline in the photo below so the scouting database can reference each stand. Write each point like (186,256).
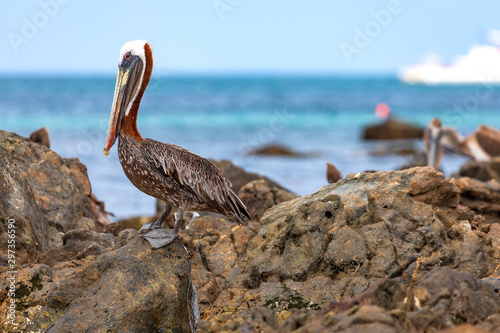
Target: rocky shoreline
(376,252)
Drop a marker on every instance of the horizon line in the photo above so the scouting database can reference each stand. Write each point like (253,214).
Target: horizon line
(206,73)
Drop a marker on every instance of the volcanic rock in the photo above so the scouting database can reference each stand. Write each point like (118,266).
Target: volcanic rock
(333,245)
(43,193)
(131,288)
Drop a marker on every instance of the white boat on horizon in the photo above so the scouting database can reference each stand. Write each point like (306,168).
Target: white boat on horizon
(481,65)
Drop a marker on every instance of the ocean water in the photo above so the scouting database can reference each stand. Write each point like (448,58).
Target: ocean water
(225,117)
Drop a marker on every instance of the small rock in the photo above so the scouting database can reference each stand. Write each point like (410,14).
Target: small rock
(275,150)
(333,175)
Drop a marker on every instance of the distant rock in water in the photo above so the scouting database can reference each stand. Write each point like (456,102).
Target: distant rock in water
(276,150)
(41,136)
(392,129)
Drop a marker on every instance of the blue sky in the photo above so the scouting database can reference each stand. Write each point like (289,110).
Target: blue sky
(61,36)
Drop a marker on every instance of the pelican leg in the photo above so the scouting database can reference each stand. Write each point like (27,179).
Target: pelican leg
(158,238)
(157,224)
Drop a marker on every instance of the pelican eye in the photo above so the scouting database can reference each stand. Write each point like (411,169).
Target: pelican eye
(127,56)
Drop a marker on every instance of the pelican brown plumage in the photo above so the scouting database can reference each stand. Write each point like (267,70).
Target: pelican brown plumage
(165,171)
(482,145)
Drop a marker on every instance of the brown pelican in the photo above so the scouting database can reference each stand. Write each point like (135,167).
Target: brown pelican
(433,147)
(333,174)
(165,171)
(482,145)
(41,136)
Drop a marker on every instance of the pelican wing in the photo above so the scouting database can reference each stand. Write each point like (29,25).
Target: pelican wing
(197,174)
(489,139)
(454,141)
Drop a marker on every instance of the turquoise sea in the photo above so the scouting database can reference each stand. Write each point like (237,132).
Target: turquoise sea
(224,117)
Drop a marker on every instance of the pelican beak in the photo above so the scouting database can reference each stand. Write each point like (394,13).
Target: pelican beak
(127,85)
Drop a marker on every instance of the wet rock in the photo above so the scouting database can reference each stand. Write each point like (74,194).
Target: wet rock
(132,288)
(483,198)
(481,170)
(392,129)
(43,193)
(258,196)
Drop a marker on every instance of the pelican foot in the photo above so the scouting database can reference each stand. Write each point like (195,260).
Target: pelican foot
(160,237)
(150,226)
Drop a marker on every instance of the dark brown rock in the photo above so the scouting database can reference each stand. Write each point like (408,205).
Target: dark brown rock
(392,129)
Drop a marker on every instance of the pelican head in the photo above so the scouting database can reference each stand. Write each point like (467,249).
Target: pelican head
(134,71)
(434,150)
